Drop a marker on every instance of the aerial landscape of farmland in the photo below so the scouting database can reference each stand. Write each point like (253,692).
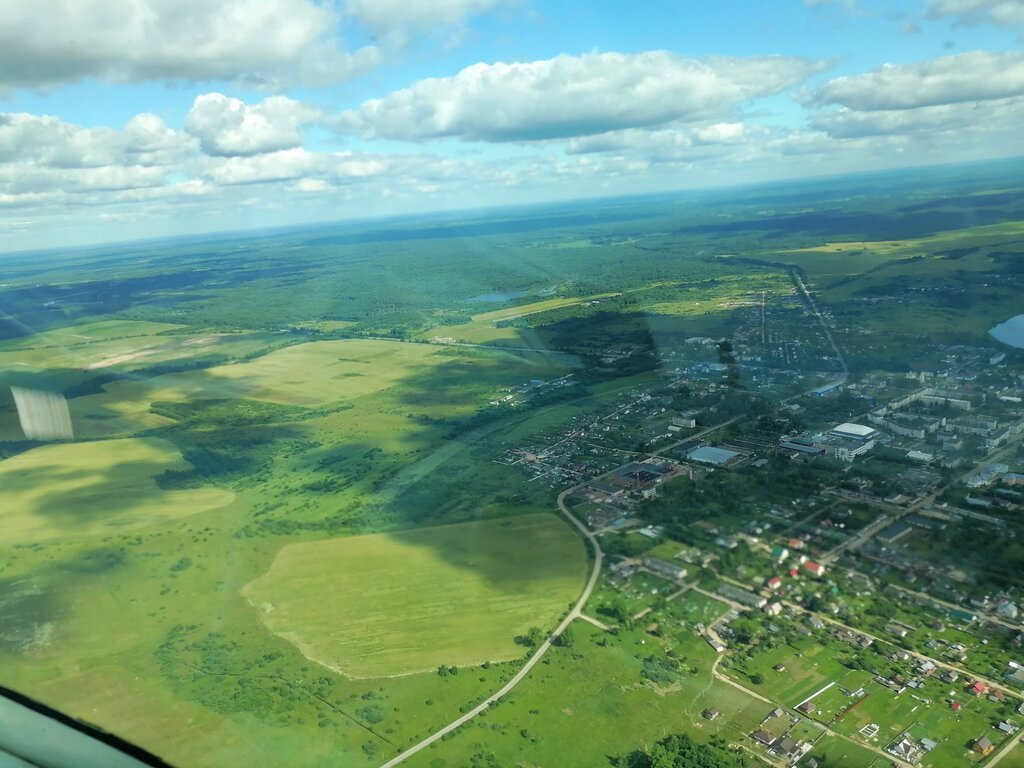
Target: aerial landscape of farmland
(511,384)
(712,495)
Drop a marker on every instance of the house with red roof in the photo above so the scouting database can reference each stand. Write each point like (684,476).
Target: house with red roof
(813,568)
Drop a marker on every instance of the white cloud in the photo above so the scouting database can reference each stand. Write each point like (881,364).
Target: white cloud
(970,116)
(970,94)
(49,141)
(22,179)
(676,144)
(311,185)
(47,164)
(1004,13)
(333,168)
(283,165)
(571,96)
(185,189)
(267,43)
(853,152)
(227,126)
(43,156)
(965,77)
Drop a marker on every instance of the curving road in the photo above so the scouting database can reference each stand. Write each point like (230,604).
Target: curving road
(573,614)
(537,655)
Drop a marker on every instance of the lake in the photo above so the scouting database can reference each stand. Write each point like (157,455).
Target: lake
(1011,332)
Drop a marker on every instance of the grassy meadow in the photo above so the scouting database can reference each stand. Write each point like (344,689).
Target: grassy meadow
(397,603)
(597,686)
(128,555)
(84,490)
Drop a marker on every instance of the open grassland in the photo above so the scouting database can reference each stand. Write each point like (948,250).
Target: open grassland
(145,634)
(721,295)
(833,750)
(79,490)
(809,667)
(308,374)
(482,330)
(119,345)
(327,371)
(76,611)
(99,331)
(591,701)
(398,603)
(427,378)
(943,252)
(1015,759)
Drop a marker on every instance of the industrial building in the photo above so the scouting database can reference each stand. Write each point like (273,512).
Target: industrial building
(851,431)
(848,449)
(663,568)
(710,455)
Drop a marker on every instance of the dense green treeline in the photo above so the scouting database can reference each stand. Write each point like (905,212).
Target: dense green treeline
(680,751)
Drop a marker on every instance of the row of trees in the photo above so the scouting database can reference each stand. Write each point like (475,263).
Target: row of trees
(680,751)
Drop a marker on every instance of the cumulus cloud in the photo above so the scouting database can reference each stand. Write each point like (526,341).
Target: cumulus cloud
(314,171)
(971,93)
(227,126)
(1004,13)
(981,115)
(677,144)
(43,155)
(46,162)
(965,77)
(571,96)
(30,180)
(267,43)
(283,165)
(48,141)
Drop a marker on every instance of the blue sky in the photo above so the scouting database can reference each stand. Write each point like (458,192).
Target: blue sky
(141,118)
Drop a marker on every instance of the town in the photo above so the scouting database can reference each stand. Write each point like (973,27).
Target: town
(882,545)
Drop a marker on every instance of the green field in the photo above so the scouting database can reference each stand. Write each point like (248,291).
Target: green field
(1015,759)
(81,490)
(308,374)
(591,702)
(398,603)
(119,345)
(327,371)
(832,750)
(482,329)
(90,618)
(809,667)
